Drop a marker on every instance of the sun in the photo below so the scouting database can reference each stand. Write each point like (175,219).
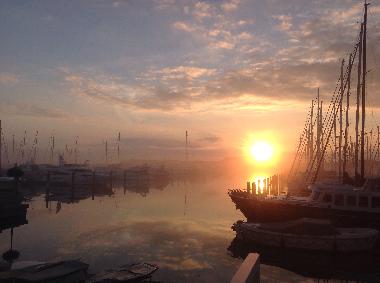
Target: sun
(261,151)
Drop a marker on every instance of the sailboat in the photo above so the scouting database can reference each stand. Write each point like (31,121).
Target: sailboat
(348,201)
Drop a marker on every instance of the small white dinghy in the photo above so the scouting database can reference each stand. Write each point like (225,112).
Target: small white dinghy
(308,234)
(127,273)
(71,271)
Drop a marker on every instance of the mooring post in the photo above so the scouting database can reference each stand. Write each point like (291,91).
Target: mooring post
(72,184)
(47,192)
(265,186)
(93,184)
(125,181)
(111,184)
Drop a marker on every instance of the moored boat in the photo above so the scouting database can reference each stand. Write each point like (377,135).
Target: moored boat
(308,234)
(352,196)
(72,271)
(344,205)
(127,273)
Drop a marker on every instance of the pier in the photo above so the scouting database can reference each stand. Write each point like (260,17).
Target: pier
(249,270)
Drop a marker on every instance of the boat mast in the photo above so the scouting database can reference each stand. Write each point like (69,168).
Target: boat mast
(52,148)
(187,154)
(334,125)
(340,121)
(347,122)
(358,89)
(362,171)
(106,151)
(318,128)
(1,129)
(378,145)
(118,147)
(13,147)
(311,144)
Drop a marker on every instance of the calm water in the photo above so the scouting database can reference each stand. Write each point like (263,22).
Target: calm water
(183,228)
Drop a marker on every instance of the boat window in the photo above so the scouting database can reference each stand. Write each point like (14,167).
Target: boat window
(363,201)
(376,202)
(327,198)
(351,200)
(339,199)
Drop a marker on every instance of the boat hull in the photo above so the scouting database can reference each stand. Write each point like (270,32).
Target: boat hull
(260,210)
(348,241)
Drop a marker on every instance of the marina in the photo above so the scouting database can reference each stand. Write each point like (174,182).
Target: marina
(166,141)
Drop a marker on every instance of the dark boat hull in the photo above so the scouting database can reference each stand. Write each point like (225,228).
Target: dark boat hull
(261,210)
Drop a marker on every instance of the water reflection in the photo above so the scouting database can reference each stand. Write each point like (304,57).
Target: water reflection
(12,214)
(181,225)
(123,227)
(354,267)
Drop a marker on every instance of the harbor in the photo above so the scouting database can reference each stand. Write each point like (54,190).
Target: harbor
(189,141)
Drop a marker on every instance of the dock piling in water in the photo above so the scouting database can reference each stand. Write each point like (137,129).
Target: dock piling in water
(93,185)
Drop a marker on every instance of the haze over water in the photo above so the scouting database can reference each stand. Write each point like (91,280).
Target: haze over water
(219,88)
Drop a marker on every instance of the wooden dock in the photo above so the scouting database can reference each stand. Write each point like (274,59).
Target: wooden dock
(249,270)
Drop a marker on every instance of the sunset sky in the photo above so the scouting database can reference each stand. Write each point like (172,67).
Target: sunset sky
(229,72)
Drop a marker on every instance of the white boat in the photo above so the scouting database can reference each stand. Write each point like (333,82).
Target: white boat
(308,234)
(63,174)
(128,273)
(345,205)
(72,271)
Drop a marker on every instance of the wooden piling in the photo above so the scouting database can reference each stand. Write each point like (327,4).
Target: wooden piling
(125,181)
(47,191)
(111,181)
(72,184)
(93,184)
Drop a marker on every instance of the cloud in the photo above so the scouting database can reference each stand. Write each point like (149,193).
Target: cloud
(230,6)
(183,26)
(8,79)
(285,22)
(220,31)
(184,248)
(202,10)
(26,109)
(261,68)
(114,92)
(164,4)
(185,72)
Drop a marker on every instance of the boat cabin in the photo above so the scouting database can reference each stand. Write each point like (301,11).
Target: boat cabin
(365,198)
